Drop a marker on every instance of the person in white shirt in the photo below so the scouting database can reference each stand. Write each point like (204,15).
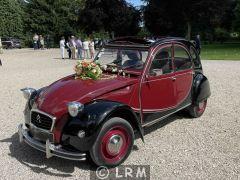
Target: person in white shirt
(1,48)
(62,47)
(86,49)
(92,49)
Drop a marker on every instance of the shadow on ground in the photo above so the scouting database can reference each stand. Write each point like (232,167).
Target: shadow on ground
(37,162)
(178,116)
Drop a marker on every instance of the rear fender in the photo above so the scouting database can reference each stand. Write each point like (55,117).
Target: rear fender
(201,88)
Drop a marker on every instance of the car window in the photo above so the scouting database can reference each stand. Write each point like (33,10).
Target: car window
(195,57)
(5,39)
(162,62)
(182,60)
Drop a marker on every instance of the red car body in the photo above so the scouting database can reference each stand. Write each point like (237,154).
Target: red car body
(137,97)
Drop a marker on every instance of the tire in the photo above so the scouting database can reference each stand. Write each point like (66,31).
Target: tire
(116,130)
(197,110)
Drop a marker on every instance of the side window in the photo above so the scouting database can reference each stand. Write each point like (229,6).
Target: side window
(195,57)
(182,60)
(162,62)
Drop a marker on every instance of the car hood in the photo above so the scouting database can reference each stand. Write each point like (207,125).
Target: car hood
(54,98)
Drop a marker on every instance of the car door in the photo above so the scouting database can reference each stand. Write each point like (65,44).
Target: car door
(158,87)
(183,67)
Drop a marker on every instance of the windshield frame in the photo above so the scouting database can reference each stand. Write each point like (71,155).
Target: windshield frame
(129,69)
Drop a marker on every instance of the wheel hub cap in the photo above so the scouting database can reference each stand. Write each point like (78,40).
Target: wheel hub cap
(201,105)
(115,144)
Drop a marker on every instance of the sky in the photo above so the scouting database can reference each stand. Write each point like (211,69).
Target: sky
(135,2)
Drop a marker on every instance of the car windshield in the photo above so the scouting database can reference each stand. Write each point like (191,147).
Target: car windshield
(122,58)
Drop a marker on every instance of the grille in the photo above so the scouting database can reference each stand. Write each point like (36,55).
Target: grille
(41,121)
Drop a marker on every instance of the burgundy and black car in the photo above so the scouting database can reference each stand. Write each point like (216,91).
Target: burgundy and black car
(98,111)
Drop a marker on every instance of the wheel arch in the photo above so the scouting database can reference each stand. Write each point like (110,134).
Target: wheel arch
(201,88)
(95,114)
(127,114)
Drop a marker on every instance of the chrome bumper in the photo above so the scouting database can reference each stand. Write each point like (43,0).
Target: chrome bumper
(49,148)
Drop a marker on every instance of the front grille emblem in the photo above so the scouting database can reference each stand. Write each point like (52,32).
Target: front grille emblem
(39,119)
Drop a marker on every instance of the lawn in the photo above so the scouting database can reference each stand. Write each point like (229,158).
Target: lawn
(226,51)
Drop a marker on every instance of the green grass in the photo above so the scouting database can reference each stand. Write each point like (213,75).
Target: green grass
(226,51)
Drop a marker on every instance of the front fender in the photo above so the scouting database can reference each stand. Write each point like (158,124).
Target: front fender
(201,88)
(94,115)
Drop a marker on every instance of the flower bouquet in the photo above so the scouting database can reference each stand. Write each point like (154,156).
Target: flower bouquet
(87,70)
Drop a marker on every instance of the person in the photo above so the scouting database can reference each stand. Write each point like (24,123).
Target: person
(198,43)
(41,42)
(48,41)
(86,49)
(69,48)
(73,47)
(62,47)
(1,48)
(35,41)
(91,48)
(79,48)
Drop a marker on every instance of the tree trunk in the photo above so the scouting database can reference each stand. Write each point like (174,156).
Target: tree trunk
(189,30)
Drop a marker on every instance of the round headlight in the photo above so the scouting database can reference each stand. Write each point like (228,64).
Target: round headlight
(27,92)
(74,108)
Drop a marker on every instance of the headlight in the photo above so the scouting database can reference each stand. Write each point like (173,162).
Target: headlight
(27,92)
(74,108)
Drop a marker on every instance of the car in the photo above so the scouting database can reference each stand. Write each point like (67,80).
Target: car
(142,83)
(10,43)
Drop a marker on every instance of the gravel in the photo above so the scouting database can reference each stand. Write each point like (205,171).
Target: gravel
(177,148)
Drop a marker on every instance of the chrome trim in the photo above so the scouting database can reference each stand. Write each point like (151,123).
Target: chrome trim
(41,112)
(161,118)
(49,148)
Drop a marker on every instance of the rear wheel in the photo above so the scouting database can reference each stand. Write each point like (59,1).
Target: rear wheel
(197,110)
(113,144)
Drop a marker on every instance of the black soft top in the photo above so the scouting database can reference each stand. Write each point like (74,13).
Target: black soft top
(136,43)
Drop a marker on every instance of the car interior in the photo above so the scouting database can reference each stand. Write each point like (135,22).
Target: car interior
(162,64)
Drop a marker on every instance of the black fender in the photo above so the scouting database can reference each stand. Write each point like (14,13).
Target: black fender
(201,88)
(95,114)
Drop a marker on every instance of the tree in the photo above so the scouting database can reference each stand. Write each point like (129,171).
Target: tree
(53,17)
(110,15)
(236,23)
(11,23)
(175,16)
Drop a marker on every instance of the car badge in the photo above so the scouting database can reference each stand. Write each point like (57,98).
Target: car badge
(39,119)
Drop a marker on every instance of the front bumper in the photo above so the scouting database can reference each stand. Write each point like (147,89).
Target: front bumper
(49,148)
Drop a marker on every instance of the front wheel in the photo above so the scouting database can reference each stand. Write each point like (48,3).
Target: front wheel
(197,110)
(113,144)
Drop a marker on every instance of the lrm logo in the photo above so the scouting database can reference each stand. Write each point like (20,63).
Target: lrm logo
(136,172)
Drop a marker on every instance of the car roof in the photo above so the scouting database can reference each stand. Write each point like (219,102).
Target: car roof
(132,42)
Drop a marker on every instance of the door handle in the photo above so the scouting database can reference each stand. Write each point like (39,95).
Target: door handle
(173,78)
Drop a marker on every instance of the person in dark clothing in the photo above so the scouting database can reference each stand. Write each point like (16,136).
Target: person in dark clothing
(48,41)
(68,45)
(198,43)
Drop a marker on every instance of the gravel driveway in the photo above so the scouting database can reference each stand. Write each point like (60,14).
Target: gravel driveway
(177,148)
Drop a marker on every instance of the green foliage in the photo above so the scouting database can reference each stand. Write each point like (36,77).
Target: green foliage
(101,35)
(111,16)
(180,17)
(143,33)
(11,23)
(56,18)
(236,23)
(221,35)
